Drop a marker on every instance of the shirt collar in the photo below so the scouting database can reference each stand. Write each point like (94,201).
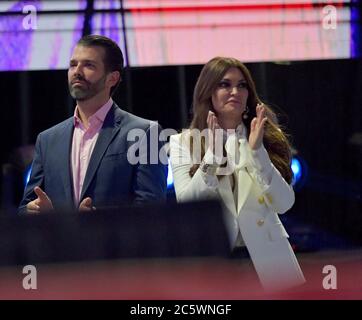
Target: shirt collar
(99,116)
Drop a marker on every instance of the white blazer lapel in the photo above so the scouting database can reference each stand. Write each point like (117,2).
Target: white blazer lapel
(244,179)
(226,194)
(237,150)
(244,186)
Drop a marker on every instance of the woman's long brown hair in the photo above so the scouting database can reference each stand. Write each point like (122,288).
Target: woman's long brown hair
(275,140)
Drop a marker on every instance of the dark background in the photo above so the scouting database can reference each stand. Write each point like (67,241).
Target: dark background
(319,103)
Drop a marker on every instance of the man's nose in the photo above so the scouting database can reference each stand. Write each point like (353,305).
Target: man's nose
(78,70)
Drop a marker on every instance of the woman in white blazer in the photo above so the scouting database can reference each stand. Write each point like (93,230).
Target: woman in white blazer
(235,151)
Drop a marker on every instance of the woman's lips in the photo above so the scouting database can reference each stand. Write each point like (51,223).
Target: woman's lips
(234,101)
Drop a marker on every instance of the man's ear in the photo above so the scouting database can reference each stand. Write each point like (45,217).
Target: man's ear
(113,78)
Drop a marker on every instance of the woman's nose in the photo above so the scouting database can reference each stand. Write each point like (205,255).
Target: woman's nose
(234,90)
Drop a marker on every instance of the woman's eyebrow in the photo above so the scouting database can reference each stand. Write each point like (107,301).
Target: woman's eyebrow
(227,79)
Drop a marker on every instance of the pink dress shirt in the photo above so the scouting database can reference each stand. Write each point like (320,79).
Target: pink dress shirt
(84,140)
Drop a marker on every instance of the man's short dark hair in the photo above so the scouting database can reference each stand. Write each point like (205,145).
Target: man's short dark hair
(113,60)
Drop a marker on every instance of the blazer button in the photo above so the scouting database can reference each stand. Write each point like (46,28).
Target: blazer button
(261,200)
(260,222)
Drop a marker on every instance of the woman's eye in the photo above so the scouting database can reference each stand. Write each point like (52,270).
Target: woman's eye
(224,84)
(242,85)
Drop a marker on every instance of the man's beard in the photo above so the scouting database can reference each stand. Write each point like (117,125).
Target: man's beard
(88,90)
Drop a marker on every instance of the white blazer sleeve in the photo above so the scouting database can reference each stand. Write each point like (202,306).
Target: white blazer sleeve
(278,194)
(200,186)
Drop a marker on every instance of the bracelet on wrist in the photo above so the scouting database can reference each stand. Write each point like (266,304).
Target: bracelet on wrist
(208,168)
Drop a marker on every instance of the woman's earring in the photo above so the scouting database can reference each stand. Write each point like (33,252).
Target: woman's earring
(245,113)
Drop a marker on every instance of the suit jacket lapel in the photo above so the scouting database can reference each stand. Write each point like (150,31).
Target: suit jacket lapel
(64,158)
(109,129)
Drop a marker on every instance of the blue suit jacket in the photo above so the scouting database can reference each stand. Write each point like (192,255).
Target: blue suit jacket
(110,180)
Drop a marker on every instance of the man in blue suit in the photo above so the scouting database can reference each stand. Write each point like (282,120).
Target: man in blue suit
(85,161)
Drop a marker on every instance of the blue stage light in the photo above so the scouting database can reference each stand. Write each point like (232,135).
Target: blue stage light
(169,176)
(297,170)
(27,174)
(300,171)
